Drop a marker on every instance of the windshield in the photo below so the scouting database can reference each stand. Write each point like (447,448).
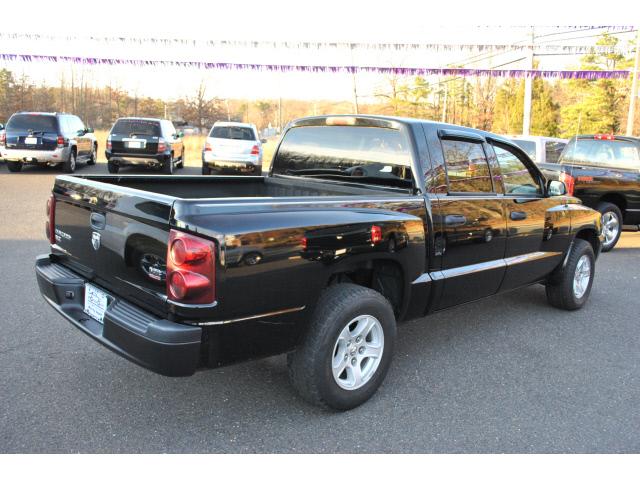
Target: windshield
(528,146)
(610,153)
(372,155)
(233,133)
(147,128)
(33,122)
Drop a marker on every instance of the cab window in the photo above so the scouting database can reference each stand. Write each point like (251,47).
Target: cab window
(516,176)
(467,167)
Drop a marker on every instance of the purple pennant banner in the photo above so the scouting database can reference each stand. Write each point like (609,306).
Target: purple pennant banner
(261,67)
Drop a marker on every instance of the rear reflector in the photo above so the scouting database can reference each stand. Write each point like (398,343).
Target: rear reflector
(190,269)
(569,182)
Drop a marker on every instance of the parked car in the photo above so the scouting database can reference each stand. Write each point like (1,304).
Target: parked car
(232,147)
(2,141)
(39,138)
(541,149)
(604,172)
(148,142)
(362,221)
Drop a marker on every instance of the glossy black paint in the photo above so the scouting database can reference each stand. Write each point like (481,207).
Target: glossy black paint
(281,240)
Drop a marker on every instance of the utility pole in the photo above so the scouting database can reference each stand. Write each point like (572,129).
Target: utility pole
(355,88)
(444,104)
(634,89)
(528,89)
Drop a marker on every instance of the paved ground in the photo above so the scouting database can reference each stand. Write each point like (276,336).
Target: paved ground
(509,374)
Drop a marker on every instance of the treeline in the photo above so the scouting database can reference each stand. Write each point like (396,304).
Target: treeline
(560,107)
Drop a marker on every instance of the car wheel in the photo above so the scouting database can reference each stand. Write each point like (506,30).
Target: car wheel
(611,224)
(206,170)
(347,349)
(14,166)
(113,167)
(92,157)
(569,285)
(167,167)
(70,165)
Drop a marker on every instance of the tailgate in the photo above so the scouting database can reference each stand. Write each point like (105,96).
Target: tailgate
(115,237)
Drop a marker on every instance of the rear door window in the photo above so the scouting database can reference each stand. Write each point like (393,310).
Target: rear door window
(232,133)
(467,167)
(516,177)
(25,122)
(607,153)
(148,128)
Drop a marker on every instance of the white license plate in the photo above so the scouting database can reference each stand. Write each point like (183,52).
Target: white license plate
(134,144)
(95,302)
(31,141)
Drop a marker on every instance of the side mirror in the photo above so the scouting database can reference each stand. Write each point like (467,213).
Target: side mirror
(179,134)
(556,188)
(88,130)
(263,140)
(1,126)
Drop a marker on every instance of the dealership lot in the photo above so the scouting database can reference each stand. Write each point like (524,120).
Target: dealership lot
(509,374)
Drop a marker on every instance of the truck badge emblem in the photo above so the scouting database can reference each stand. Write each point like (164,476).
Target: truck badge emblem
(95,240)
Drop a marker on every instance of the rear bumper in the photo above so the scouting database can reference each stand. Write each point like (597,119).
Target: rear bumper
(140,159)
(58,155)
(165,347)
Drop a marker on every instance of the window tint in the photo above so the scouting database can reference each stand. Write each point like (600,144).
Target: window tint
(34,122)
(357,154)
(232,133)
(516,177)
(149,128)
(528,146)
(553,151)
(74,124)
(611,153)
(467,167)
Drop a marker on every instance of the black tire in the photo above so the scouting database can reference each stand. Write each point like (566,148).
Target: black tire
(113,167)
(560,285)
(92,156)
(607,209)
(181,163)
(257,171)
(206,170)
(310,366)
(14,167)
(167,166)
(70,165)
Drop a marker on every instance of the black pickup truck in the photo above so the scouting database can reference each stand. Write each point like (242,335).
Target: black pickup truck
(604,172)
(362,221)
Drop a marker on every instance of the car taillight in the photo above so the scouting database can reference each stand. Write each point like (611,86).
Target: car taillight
(376,234)
(109,145)
(604,136)
(255,150)
(569,182)
(60,141)
(161,146)
(207,147)
(190,269)
(51,219)
(3,138)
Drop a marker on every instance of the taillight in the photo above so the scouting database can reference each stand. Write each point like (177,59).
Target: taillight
(161,146)
(60,141)
(207,147)
(109,145)
(51,219)
(190,269)
(255,150)
(376,234)
(604,136)
(569,182)
(3,138)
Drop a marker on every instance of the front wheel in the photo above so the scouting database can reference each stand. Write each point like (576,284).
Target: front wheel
(611,224)
(347,349)
(569,287)
(14,166)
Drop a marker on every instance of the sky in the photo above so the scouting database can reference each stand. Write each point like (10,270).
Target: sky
(330,20)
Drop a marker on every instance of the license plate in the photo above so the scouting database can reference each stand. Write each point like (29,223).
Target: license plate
(134,144)
(95,302)
(31,141)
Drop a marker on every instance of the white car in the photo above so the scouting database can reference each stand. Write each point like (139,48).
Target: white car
(232,147)
(540,149)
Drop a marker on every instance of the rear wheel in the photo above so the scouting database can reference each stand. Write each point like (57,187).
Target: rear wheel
(611,224)
(70,165)
(569,287)
(92,156)
(113,167)
(167,167)
(347,349)
(14,166)
(181,164)
(206,170)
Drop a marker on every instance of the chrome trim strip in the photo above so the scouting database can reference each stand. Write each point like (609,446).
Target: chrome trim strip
(528,257)
(474,268)
(252,317)
(424,278)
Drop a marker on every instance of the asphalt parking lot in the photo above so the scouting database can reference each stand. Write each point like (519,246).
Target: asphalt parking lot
(507,374)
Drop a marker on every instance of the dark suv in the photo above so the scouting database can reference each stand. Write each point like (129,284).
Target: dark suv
(37,138)
(149,142)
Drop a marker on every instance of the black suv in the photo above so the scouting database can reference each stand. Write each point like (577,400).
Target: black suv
(149,142)
(38,138)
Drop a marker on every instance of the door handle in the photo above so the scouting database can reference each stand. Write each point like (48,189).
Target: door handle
(98,221)
(455,220)
(518,215)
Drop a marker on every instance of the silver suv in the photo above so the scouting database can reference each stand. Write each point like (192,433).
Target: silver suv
(232,146)
(37,138)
